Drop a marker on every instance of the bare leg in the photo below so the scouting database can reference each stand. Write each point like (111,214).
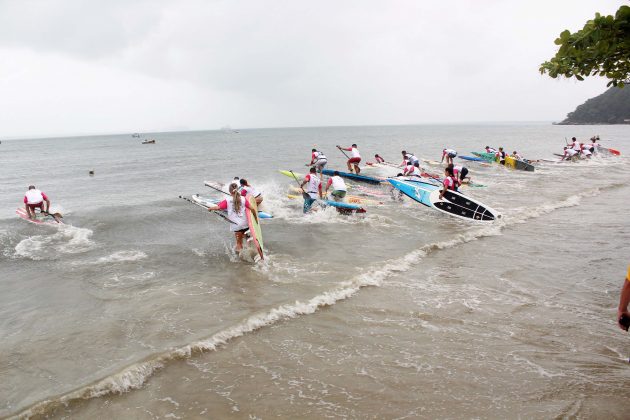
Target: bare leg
(349,167)
(239,241)
(356,169)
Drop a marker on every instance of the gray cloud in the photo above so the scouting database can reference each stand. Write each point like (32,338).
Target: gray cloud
(274,63)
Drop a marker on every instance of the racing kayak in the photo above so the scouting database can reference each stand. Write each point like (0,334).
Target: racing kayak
(355,177)
(206,202)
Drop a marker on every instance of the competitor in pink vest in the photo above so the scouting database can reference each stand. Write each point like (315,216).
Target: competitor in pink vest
(33,199)
(450,181)
(235,207)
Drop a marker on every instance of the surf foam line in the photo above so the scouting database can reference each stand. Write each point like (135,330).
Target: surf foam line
(134,376)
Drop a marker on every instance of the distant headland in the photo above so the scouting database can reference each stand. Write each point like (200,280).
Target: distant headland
(611,107)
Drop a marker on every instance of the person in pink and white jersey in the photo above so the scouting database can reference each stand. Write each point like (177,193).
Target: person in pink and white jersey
(33,199)
(248,189)
(449,154)
(574,144)
(313,189)
(354,160)
(318,161)
(569,153)
(595,144)
(461,172)
(338,186)
(450,181)
(412,169)
(585,150)
(235,207)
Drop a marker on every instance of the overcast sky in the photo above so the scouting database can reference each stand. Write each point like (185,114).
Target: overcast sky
(115,66)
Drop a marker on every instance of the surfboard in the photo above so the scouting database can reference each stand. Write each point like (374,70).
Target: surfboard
(419,190)
(213,202)
(255,232)
(459,205)
(355,177)
(295,192)
(513,163)
(344,207)
(40,218)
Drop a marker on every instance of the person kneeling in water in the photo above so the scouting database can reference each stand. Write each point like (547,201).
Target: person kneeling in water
(34,199)
(450,181)
(248,189)
(339,187)
(235,207)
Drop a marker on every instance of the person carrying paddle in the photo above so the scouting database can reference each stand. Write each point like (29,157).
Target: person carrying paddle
(34,198)
(235,207)
(354,160)
(313,190)
(450,181)
(449,154)
(318,161)
(248,189)
(338,186)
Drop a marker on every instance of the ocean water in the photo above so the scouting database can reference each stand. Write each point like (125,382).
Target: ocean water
(138,307)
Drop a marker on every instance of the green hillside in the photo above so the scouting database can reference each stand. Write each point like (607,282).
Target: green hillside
(611,107)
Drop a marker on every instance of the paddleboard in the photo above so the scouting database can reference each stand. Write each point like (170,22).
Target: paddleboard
(488,157)
(288,173)
(341,206)
(458,205)
(295,192)
(472,158)
(354,177)
(419,191)
(40,218)
(255,232)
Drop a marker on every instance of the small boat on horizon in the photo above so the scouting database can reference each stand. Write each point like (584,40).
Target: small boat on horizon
(148,142)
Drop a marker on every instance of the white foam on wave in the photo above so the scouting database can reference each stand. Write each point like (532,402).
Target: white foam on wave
(67,239)
(134,376)
(122,256)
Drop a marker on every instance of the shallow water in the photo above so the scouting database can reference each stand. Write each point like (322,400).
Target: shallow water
(138,307)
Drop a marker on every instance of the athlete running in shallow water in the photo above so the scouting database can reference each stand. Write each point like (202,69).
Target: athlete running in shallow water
(313,189)
(354,160)
(235,207)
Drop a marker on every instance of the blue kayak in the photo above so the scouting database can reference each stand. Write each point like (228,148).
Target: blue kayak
(416,190)
(472,158)
(354,177)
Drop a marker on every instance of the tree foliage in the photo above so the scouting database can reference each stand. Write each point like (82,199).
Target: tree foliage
(611,107)
(601,48)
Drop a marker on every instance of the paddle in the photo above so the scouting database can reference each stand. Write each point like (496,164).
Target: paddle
(304,193)
(216,189)
(341,150)
(54,215)
(206,207)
